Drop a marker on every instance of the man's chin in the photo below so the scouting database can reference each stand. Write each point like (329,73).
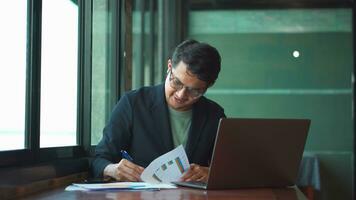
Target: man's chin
(176,106)
(180,107)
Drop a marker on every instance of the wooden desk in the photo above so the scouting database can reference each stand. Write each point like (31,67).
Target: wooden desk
(292,193)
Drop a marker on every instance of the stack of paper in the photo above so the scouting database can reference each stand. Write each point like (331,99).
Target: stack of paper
(119,186)
(158,175)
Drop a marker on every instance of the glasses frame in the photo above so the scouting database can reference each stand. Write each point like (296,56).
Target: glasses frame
(175,83)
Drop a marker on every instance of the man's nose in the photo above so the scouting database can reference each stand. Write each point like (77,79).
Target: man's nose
(181,93)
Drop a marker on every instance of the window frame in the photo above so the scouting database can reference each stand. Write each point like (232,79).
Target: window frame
(33,154)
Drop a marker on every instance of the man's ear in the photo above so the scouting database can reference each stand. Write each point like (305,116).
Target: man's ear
(169,65)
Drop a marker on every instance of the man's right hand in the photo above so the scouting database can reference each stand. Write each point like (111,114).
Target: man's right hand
(124,171)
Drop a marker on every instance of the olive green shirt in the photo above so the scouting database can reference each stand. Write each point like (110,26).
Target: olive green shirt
(180,125)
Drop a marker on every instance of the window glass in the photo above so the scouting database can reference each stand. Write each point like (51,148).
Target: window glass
(145,40)
(59,73)
(100,73)
(12,74)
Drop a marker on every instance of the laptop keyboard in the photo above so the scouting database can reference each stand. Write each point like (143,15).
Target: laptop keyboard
(195,184)
(199,183)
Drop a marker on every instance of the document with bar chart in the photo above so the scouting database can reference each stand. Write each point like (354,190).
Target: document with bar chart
(167,168)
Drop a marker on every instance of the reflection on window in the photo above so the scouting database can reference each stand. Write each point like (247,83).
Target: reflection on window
(12,74)
(59,73)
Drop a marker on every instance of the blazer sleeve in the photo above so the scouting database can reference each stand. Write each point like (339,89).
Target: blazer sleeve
(116,136)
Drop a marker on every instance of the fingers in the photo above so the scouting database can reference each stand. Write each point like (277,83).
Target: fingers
(188,174)
(125,176)
(128,171)
(195,177)
(196,173)
(138,169)
(203,179)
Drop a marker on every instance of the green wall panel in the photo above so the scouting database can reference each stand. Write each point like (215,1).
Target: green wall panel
(336,175)
(260,77)
(255,61)
(331,127)
(270,21)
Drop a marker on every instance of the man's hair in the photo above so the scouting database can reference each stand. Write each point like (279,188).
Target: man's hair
(202,60)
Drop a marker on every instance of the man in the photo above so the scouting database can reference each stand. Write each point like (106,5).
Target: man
(151,121)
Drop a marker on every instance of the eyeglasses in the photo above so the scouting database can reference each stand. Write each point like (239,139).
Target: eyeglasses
(177,85)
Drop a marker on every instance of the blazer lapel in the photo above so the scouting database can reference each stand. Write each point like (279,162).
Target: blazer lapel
(161,119)
(198,121)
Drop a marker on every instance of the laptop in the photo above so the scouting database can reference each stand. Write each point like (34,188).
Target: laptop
(252,153)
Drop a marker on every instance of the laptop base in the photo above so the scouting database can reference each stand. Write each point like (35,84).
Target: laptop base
(192,184)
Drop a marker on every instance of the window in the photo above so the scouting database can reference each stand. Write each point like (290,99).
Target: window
(12,74)
(100,70)
(59,73)
(54,62)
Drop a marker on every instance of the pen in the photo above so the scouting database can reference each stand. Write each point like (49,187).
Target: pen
(125,155)
(98,180)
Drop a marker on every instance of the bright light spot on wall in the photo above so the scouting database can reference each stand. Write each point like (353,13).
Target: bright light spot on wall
(296,54)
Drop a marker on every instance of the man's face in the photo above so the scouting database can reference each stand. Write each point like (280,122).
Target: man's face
(182,88)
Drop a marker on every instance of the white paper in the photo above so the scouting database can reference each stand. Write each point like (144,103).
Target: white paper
(158,175)
(167,168)
(118,186)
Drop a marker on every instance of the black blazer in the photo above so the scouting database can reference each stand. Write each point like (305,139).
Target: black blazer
(140,125)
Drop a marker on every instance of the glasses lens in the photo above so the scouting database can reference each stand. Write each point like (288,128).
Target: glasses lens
(194,93)
(176,84)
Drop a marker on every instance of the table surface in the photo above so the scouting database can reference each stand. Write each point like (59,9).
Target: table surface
(292,193)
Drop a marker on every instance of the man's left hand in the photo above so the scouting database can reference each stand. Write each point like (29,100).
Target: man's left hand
(196,173)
